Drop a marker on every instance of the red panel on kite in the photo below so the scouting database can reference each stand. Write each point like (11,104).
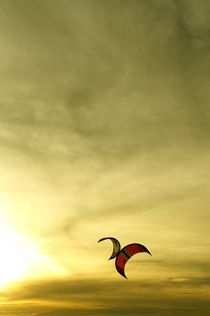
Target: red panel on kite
(125,254)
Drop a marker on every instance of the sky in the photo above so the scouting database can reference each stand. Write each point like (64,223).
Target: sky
(104,131)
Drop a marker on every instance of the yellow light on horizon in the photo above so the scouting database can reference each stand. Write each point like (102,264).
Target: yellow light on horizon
(20,257)
(13,261)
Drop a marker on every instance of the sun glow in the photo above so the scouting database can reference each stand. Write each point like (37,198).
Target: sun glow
(20,257)
(15,254)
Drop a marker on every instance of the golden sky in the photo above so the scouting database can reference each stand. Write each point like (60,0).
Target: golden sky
(104,131)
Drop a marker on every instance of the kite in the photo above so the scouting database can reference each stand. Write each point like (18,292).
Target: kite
(123,255)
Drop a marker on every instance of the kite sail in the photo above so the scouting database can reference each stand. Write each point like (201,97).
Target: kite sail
(116,246)
(123,255)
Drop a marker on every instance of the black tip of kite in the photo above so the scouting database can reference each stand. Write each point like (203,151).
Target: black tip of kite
(146,250)
(123,274)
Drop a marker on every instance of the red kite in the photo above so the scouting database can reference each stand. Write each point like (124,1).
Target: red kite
(123,255)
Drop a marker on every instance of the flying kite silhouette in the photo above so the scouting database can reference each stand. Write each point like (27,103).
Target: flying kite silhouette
(124,254)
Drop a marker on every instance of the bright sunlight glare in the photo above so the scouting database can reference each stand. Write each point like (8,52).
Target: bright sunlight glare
(19,256)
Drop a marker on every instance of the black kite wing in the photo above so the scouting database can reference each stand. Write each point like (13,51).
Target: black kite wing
(116,246)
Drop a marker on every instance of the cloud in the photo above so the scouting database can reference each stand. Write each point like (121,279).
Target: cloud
(193,19)
(104,128)
(105,290)
(98,296)
(81,86)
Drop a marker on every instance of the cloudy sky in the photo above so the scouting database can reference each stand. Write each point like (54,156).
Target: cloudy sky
(104,131)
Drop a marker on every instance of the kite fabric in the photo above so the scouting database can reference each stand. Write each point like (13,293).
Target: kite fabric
(116,246)
(123,255)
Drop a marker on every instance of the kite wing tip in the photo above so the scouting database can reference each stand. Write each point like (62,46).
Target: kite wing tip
(147,250)
(124,275)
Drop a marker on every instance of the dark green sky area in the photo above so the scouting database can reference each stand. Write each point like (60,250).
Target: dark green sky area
(105,130)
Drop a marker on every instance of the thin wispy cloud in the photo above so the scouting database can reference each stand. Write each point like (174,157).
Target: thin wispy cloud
(104,131)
